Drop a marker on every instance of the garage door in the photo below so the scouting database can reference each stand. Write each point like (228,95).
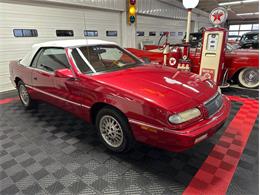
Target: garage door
(46,20)
(204,24)
(107,23)
(149,25)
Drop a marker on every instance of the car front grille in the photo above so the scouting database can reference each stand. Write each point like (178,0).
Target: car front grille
(214,104)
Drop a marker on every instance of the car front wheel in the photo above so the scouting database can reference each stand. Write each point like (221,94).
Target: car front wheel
(114,130)
(249,78)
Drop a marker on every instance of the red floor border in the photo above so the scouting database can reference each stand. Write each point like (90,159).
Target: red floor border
(217,171)
(8,100)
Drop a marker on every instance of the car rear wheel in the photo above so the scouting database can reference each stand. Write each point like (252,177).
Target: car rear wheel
(24,96)
(249,78)
(114,130)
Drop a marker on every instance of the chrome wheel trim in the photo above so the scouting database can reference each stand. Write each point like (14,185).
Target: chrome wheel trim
(24,95)
(249,77)
(111,131)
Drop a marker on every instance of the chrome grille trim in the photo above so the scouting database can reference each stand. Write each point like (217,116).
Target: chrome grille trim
(210,99)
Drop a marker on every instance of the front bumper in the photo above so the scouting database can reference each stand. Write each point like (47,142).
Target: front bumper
(179,140)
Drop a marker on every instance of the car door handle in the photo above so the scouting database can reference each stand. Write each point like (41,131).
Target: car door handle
(35,78)
(45,74)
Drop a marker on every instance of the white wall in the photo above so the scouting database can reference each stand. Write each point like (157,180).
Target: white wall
(162,15)
(118,5)
(150,23)
(103,20)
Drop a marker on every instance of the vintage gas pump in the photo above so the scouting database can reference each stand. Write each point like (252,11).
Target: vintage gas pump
(213,48)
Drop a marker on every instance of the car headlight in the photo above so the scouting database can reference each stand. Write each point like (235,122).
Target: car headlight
(184,116)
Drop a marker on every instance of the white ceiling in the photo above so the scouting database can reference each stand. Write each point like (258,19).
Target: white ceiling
(208,5)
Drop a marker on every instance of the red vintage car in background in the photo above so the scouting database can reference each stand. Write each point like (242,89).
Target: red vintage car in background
(124,98)
(241,65)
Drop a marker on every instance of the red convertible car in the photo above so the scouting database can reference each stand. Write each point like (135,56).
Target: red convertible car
(241,65)
(124,98)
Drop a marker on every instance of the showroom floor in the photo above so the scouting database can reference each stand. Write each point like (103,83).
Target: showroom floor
(49,151)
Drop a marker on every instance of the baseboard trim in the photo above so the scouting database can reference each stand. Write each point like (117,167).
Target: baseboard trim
(8,94)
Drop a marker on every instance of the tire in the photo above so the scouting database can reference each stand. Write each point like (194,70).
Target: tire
(25,98)
(249,78)
(117,137)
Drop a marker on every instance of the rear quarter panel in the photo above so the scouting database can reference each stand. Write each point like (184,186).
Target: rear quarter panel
(18,71)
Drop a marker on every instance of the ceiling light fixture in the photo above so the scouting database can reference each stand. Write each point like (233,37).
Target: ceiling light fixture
(230,3)
(190,4)
(248,14)
(237,2)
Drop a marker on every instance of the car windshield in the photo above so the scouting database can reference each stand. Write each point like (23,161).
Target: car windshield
(195,36)
(103,58)
(247,37)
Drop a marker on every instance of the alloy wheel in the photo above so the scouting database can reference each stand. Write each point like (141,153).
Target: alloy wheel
(111,131)
(24,95)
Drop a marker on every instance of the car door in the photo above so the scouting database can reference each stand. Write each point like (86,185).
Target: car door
(56,90)
(42,75)
(66,90)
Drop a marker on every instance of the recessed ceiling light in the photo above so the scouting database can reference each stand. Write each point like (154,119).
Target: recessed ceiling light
(230,3)
(248,14)
(237,2)
(249,1)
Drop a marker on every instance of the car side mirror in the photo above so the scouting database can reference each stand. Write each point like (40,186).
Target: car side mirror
(63,73)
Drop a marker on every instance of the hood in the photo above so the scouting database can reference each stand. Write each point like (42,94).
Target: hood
(164,86)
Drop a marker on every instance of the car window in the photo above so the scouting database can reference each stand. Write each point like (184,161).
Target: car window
(255,37)
(250,37)
(51,59)
(80,62)
(195,36)
(114,54)
(103,58)
(36,58)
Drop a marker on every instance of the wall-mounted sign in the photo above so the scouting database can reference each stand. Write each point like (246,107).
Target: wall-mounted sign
(208,73)
(218,16)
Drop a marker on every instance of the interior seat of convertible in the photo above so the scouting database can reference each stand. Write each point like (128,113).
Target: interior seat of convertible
(93,58)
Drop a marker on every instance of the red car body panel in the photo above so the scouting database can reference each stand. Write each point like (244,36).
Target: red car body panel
(163,138)
(234,61)
(147,95)
(241,58)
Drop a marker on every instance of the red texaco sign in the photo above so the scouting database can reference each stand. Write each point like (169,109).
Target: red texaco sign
(218,16)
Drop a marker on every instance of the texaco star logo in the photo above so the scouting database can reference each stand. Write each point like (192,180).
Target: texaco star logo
(218,16)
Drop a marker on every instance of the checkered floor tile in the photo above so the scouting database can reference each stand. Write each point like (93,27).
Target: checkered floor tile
(49,151)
